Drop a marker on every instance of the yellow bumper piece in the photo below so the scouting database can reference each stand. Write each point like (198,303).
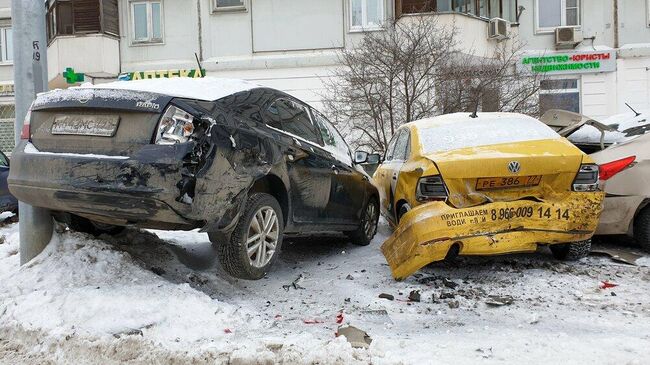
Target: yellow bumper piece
(426,233)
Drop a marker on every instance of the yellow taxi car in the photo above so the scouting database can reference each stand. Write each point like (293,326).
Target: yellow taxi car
(485,184)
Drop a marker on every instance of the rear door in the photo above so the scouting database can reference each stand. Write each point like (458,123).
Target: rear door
(308,165)
(347,194)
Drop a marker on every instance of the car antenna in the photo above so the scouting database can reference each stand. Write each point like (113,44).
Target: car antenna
(200,70)
(635,112)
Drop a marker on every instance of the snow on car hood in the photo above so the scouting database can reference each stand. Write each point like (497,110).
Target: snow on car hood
(627,125)
(206,88)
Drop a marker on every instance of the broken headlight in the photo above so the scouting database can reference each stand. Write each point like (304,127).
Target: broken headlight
(175,126)
(431,188)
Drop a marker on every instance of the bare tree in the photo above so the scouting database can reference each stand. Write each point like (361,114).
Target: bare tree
(411,71)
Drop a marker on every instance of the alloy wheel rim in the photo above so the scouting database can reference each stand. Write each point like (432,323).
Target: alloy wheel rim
(262,238)
(369,225)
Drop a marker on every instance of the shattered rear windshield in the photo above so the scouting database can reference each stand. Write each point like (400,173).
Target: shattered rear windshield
(475,133)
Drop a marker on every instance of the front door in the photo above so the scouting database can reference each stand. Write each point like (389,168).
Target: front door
(388,172)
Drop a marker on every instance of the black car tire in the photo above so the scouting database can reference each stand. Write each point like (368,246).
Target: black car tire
(233,255)
(642,229)
(364,234)
(81,224)
(402,210)
(572,251)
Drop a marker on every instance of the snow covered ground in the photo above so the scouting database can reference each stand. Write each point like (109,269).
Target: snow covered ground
(159,297)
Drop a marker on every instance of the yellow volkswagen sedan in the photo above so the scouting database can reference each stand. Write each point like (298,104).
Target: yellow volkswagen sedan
(492,184)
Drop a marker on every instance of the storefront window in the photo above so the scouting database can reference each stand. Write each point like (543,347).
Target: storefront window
(559,94)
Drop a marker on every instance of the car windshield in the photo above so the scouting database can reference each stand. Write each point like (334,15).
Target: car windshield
(482,132)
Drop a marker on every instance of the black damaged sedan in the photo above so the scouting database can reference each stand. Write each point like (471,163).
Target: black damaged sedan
(245,163)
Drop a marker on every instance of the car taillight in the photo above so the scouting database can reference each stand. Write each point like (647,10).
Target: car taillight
(175,126)
(587,178)
(608,170)
(26,132)
(431,188)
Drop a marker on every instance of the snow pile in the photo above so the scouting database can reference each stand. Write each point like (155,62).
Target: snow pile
(205,88)
(82,285)
(627,125)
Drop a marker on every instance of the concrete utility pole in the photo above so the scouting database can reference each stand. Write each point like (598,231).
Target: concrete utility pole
(30,78)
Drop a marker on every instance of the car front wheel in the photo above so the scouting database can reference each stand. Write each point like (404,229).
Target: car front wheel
(572,251)
(256,240)
(368,224)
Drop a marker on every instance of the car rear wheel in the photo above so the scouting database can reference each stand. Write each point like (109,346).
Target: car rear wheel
(256,241)
(642,229)
(572,251)
(368,225)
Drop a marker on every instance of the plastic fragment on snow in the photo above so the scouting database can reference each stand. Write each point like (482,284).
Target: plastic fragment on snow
(606,284)
(339,318)
(311,321)
(498,301)
(386,296)
(356,337)
(227,330)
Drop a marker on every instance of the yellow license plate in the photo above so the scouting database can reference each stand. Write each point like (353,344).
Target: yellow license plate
(489,183)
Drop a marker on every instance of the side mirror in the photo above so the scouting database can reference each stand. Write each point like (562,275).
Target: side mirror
(373,159)
(360,156)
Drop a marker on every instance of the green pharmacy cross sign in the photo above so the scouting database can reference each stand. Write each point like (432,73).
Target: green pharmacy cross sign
(72,77)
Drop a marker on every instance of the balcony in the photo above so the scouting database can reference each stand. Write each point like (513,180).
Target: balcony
(82,35)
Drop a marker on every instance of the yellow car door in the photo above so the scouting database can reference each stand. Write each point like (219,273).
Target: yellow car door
(387,173)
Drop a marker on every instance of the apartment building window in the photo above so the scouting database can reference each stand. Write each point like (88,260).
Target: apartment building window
(559,94)
(229,5)
(366,14)
(72,17)
(6,45)
(146,21)
(505,9)
(557,13)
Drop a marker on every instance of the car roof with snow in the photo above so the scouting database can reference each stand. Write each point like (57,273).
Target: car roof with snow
(205,88)
(459,130)
(464,117)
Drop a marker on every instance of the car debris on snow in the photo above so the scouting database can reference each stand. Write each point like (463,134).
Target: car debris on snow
(387,296)
(619,255)
(356,337)
(498,301)
(414,296)
(295,284)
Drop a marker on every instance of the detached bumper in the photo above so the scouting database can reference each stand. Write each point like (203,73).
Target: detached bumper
(426,233)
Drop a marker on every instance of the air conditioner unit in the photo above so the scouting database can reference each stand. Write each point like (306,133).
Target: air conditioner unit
(498,29)
(567,37)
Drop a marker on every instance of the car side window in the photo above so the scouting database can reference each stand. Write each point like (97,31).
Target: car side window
(293,118)
(391,147)
(4,161)
(402,149)
(332,139)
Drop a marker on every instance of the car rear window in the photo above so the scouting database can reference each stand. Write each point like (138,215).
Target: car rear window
(475,133)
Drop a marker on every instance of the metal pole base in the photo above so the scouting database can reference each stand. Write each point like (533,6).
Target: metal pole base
(35,228)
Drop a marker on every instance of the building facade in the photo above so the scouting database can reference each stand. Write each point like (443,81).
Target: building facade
(595,54)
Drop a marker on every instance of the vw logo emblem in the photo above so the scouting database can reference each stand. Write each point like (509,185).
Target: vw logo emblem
(514,167)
